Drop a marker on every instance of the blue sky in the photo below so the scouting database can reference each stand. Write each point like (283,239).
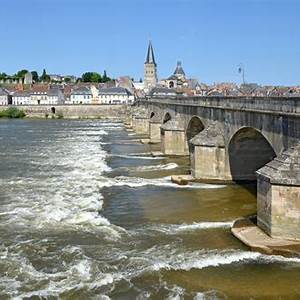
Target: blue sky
(210,37)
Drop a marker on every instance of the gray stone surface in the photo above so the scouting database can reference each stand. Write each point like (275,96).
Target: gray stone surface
(82,111)
(284,169)
(212,136)
(252,236)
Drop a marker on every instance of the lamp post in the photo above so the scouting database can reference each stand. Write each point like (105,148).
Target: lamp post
(241,70)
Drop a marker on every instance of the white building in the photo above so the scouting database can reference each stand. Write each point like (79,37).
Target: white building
(138,85)
(39,94)
(21,98)
(162,91)
(82,95)
(55,77)
(115,95)
(3,97)
(55,96)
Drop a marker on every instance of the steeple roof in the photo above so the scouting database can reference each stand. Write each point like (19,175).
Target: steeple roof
(179,69)
(150,55)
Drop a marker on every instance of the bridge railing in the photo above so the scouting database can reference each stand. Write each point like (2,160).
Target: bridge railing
(272,104)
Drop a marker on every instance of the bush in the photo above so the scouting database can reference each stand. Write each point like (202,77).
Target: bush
(12,112)
(59,115)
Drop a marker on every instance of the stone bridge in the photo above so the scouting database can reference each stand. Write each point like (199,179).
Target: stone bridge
(235,139)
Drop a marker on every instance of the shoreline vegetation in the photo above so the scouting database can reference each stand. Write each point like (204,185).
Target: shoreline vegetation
(12,113)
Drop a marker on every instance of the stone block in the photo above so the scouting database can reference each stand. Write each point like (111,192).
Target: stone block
(154,132)
(173,142)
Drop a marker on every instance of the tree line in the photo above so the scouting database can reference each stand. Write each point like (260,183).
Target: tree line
(21,74)
(44,77)
(95,77)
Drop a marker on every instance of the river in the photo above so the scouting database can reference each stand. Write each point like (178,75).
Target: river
(87,213)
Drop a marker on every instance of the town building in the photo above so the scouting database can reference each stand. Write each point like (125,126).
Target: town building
(177,79)
(55,78)
(62,78)
(138,85)
(21,98)
(81,95)
(150,69)
(69,78)
(55,96)
(4,97)
(115,95)
(162,91)
(39,94)
(125,82)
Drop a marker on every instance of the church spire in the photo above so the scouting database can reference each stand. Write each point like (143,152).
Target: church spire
(150,72)
(179,69)
(150,55)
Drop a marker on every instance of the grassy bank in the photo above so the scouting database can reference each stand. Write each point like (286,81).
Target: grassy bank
(12,112)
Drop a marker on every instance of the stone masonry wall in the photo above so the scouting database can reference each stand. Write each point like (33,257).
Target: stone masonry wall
(75,111)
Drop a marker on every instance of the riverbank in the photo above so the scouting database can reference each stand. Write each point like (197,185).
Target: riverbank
(82,111)
(12,113)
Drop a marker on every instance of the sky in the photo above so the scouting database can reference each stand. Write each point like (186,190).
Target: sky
(211,38)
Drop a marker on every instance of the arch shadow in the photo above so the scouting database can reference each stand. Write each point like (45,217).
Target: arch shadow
(152,114)
(248,151)
(194,127)
(167,117)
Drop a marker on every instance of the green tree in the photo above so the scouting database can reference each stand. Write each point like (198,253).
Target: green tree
(86,77)
(21,73)
(67,79)
(3,76)
(45,77)
(96,77)
(91,77)
(105,78)
(35,76)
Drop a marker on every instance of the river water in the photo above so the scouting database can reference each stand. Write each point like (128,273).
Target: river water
(87,213)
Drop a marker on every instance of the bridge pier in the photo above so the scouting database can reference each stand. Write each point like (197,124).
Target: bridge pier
(173,139)
(208,156)
(140,124)
(154,131)
(154,128)
(278,195)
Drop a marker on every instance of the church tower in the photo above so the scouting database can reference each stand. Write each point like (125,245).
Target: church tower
(150,73)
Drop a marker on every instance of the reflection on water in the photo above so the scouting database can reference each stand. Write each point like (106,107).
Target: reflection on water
(86,212)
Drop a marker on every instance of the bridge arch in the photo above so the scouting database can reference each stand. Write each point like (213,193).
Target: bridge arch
(152,114)
(167,117)
(248,150)
(195,126)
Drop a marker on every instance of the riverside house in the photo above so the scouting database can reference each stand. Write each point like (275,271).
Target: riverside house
(81,95)
(21,98)
(55,96)
(39,94)
(4,96)
(115,95)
